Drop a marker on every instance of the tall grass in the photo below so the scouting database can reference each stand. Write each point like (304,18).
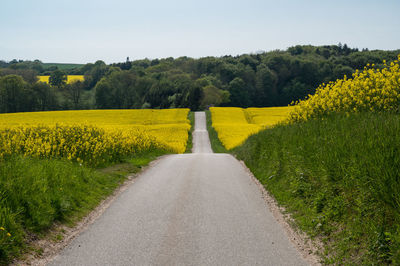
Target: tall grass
(216,144)
(34,193)
(340,178)
(189,144)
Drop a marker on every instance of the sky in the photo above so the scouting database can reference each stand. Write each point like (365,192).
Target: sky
(83,31)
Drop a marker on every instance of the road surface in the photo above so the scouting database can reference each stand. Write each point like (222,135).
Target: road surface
(187,209)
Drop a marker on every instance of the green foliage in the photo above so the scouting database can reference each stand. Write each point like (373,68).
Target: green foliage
(212,96)
(38,192)
(273,78)
(42,68)
(94,73)
(63,67)
(216,144)
(16,95)
(339,179)
(269,79)
(13,94)
(117,91)
(28,75)
(58,78)
(129,89)
(266,82)
(73,94)
(189,144)
(194,97)
(44,97)
(35,193)
(239,96)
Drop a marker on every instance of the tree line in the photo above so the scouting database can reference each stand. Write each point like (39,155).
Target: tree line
(274,78)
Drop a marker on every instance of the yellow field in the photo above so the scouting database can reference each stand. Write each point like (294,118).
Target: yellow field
(70,78)
(234,125)
(370,90)
(93,134)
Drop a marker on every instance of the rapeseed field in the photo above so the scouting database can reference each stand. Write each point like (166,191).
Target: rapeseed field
(335,166)
(92,136)
(70,78)
(370,90)
(234,125)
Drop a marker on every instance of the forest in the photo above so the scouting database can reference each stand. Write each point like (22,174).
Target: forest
(274,78)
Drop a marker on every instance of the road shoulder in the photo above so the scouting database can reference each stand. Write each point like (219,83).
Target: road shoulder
(308,248)
(43,250)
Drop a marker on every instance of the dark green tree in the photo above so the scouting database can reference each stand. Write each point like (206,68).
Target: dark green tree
(194,98)
(238,94)
(94,72)
(28,75)
(118,90)
(296,90)
(45,97)
(266,87)
(58,78)
(212,96)
(13,94)
(73,92)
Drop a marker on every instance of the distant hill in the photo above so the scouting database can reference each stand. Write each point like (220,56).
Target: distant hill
(62,66)
(274,78)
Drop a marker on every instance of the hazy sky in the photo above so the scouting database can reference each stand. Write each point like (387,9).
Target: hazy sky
(81,31)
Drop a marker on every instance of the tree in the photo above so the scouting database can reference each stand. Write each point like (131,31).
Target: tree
(212,96)
(12,94)
(266,87)
(194,97)
(339,71)
(94,72)
(295,90)
(239,96)
(58,78)
(118,90)
(28,75)
(73,92)
(295,50)
(249,61)
(44,96)
(227,72)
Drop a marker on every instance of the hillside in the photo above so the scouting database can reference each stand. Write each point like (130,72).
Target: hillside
(274,78)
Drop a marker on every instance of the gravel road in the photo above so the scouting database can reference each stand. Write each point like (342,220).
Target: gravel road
(187,209)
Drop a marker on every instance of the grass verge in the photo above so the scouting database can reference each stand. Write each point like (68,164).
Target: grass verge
(216,144)
(35,193)
(339,178)
(189,144)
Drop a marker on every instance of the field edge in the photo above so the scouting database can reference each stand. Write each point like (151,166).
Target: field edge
(39,246)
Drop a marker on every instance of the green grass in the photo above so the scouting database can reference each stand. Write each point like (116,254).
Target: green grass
(339,177)
(189,144)
(216,144)
(34,193)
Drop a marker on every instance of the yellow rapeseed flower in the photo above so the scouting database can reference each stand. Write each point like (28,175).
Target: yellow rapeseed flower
(70,78)
(72,134)
(372,89)
(234,125)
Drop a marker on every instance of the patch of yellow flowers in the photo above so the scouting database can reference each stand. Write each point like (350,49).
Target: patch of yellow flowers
(372,89)
(5,237)
(234,125)
(70,78)
(93,136)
